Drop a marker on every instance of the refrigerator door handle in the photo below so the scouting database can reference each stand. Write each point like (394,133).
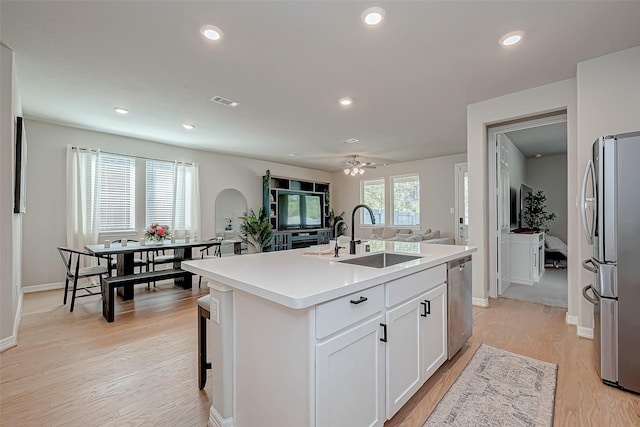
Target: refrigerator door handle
(586,296)
(585,265)
(588,230)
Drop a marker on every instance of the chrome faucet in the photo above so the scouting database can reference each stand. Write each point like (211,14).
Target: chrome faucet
(335,233)
(353,242)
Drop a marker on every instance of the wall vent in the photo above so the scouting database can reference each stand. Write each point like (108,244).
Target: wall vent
(224,101)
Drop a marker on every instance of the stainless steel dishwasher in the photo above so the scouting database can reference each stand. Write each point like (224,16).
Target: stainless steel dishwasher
(459,313)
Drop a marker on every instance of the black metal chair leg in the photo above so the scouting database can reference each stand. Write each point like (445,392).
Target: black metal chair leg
(66,290)
(73,296)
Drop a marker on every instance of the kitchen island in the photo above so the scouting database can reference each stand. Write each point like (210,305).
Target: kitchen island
(312,340)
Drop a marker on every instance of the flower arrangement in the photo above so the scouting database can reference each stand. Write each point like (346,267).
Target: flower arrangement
(157,232)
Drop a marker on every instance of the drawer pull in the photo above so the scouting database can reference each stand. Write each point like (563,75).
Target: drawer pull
(427,309)
(361,300)
(384,332)
(424,305)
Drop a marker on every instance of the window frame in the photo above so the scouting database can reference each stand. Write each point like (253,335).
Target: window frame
(392,199)
(365,220)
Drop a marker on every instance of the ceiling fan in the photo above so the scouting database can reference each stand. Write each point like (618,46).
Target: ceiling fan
(355,166)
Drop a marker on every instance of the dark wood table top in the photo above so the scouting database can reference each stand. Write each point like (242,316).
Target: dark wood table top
(133,246)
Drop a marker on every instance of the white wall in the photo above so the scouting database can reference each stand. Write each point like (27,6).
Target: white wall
(549,174)
(549,98)
(437,191)
(10,223)
(608,103)
(45,221)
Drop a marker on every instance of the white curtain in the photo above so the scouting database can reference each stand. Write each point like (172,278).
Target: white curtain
(186,201)
(83,197)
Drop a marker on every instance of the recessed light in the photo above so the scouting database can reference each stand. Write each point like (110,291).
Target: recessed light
(538,155)
(188,126)
(121,110)
(511,39)
(372,16)
(211,32)
(350,141)
(292,155)
(346,101)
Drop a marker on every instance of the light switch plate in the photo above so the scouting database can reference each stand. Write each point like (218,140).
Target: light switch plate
(214,312)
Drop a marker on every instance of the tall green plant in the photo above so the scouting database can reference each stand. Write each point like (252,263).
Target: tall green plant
(255,229)
(535,214)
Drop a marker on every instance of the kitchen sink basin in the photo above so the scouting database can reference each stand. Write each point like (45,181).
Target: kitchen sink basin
(380,260)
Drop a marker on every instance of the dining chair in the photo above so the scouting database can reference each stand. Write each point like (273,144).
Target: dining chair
(72,260)
(160,256)
(215,243)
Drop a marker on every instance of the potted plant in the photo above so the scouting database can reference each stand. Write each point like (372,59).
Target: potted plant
(333,218)
(534,215)
(255,229)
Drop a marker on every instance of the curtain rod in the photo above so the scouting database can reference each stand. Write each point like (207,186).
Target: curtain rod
(129,155)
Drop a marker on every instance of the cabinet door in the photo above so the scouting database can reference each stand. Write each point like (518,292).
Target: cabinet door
(433,331)
(403,354)
(350,378)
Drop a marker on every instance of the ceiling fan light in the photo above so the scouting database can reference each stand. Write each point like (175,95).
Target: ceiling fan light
(353,173)
(361,171)
(346,171)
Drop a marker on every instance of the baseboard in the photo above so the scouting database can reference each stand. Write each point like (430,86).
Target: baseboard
(12,341)
(585,332)
(571,320)
(480,302)
(216,420)
(41,288)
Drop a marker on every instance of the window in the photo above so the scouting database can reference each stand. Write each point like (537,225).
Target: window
(159,192)
(117,193)
(406,200)
(372,195)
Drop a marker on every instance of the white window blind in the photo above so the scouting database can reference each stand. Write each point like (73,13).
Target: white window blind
(372,195)
(159,192)
(406,200)
(117,193)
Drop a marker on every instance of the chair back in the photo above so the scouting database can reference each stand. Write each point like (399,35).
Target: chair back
(71,259)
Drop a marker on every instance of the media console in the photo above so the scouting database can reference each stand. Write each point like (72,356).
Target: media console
(296,239)
(298,212)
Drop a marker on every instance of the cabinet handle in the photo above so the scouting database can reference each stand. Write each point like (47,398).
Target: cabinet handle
(384,332)
(361,300)
(424,305)
(428,308)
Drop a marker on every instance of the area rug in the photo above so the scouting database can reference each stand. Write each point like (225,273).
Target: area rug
(499,388)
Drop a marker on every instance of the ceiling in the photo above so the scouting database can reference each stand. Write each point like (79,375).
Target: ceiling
(287,63)
(544,140)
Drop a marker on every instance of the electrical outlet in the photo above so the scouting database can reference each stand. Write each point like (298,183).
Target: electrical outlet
(214,312)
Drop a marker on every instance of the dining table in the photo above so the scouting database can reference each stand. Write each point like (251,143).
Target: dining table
(182,250)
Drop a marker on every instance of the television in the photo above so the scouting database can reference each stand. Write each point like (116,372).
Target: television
(299,211)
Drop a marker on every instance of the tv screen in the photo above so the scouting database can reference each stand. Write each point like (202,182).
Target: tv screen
(297,211)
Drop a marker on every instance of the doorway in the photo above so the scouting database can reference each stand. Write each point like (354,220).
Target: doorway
(527,154)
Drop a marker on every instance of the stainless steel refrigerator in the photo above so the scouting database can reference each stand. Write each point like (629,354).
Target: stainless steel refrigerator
(611,221)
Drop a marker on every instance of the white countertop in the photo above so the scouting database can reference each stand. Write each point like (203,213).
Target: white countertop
(295,280)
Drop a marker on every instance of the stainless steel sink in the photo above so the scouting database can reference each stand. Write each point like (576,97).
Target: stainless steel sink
(380,260)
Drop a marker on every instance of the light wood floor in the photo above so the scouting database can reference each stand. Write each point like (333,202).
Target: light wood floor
(76,369)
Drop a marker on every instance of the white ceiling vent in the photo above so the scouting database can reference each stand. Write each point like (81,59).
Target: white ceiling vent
(224,101)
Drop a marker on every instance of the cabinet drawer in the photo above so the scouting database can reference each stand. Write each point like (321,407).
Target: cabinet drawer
(342,312)
(407,287)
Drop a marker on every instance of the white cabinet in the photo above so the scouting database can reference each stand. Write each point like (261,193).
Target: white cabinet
(350,377)
(527,258)
(433,331)
(350,362)
(417,335)
(366,355)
